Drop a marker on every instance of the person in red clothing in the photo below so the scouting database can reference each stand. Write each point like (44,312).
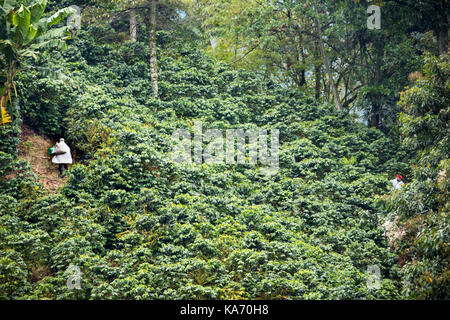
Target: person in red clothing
(397,183)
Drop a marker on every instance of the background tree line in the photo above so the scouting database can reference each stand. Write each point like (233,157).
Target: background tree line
(282,40)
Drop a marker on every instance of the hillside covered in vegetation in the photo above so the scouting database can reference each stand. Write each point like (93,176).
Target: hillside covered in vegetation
(140,225)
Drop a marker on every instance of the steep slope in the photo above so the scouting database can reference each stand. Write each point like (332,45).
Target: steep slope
(33,148)
(141,226)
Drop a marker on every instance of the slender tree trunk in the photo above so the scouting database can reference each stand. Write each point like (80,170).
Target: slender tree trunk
(152,45)
(374,121)
(442,30)
(301,58)
(326,89)
(318,76)
(133,25)
(376,97)
(317,72)
(326,64)
(302,71)
(442,40)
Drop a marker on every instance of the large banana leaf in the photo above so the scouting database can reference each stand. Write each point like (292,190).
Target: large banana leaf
(60,15)
(37,10)
(27,24)
(23,32)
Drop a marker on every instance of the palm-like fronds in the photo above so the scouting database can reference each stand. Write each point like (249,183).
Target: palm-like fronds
(24,31)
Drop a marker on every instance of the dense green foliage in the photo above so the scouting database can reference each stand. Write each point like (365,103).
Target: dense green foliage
(24,31)
(141,226)
(279,40)
(423,206)
(197,231)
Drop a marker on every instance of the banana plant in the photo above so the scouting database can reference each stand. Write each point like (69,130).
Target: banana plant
(24,31)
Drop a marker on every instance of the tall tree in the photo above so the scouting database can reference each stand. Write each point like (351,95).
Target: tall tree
(151,26)
(133,22)
(149,9)
(427,15)
(422,208)
(337,100)
(365,68)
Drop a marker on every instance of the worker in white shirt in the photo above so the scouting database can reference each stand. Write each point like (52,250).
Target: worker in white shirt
(397,183)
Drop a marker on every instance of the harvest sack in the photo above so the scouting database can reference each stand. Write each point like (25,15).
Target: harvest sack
(62,153)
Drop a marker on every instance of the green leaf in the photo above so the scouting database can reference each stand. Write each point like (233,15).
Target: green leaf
(8,5)
(37,10)
(24,29)
(29,53)
(59,15)
(32,31)
(12,18)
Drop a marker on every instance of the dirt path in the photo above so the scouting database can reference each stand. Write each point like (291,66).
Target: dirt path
(33,148)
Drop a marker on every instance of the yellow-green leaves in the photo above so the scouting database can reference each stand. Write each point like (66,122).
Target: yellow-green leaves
(27,31)
(5,118)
